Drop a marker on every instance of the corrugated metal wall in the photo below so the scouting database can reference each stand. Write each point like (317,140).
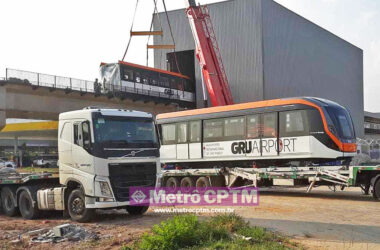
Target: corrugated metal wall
(302,59)
(270,52)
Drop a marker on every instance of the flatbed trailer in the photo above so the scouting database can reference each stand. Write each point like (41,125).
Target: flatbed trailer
(19,192)
(366,177)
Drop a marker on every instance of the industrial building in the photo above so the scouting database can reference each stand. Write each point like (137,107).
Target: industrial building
(269,52)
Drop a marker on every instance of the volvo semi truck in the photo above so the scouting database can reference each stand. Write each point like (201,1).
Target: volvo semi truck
(102,153)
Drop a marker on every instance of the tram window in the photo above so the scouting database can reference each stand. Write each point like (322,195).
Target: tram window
(138,77)
(182,132)
(180,84)
(234,128)
(164,82)
(293,123)
(127,75)
(269,128)
(213,130)
(145,79)
(173,84)
(195,131)
(253,126)
(153,82)
(168,134)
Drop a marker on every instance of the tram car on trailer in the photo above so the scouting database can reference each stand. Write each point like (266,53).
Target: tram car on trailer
(266,133)
(125,77)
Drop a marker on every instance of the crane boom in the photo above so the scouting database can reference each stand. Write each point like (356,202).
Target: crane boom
(208,54)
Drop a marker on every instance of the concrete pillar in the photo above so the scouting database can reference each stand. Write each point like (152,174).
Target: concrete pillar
(2,120)
(2,106)
(15,150)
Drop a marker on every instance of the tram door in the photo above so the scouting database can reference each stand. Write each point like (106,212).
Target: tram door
(182,141)
(269,134)
(189,145)
(195,142)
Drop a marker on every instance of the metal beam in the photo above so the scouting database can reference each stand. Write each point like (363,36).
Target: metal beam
(147,33)
(162,46)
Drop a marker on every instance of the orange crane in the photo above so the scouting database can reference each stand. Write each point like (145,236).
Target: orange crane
(208,54)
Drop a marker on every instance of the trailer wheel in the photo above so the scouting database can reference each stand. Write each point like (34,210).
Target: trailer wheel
(136,210)
(28,209)
(77,207)
(187,183)
(203,182)
(172,182)
(376,190)
(8,202)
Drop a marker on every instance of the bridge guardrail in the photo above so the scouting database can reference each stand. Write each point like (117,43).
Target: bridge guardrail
(68,83)
(52,81)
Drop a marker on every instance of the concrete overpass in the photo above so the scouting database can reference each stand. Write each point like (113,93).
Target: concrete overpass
(23,97)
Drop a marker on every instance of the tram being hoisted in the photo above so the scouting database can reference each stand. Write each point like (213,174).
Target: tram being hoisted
(261,133)
(124,78)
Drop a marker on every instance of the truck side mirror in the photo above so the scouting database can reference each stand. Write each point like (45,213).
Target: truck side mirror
(86,135)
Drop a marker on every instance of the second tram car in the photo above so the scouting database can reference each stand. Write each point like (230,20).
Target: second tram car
(307,129)
(130,78)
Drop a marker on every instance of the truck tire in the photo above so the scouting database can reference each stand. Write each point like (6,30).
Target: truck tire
(203,182)
(187,183)
(172,182)
(8,202)
(136,210)
(376,189)
(28,209)
(76,207)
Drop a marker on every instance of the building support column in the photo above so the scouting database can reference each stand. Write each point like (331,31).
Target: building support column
(15,151)
(2,106)
(2,120)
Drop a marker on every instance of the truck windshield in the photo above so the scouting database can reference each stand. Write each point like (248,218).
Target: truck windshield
(124,132)
(342,121)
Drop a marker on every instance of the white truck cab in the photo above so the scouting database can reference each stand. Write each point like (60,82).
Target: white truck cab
(103,152)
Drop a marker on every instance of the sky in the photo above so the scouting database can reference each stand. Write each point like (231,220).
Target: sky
(72,37)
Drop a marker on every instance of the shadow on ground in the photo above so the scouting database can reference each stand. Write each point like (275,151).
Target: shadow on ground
(322,231)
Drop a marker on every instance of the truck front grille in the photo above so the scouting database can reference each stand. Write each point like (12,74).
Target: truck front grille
(124,176)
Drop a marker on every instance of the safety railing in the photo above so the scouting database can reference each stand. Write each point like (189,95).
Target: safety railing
(67,83)
(51,81)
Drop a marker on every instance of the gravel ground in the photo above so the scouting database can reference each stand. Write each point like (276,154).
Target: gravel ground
(320,220)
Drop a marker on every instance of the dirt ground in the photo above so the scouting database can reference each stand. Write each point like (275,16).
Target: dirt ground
(320,220)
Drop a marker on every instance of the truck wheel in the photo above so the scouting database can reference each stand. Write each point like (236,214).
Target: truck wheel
(203,182)
(136,210)
(28,209)
(47,165)
(8,202)
(77,207)
(172,182)
(376,190)
(187,183)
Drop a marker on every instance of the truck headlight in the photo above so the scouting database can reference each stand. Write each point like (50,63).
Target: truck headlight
(105,188)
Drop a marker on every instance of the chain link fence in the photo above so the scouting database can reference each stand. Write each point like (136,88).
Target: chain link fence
(369,146)
(51,81)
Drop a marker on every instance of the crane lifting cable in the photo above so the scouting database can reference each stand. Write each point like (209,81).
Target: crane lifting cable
(171,34)
(150,32)
(155,13)
(130,37)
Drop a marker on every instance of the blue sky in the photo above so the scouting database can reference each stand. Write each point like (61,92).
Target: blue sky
(72,37)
